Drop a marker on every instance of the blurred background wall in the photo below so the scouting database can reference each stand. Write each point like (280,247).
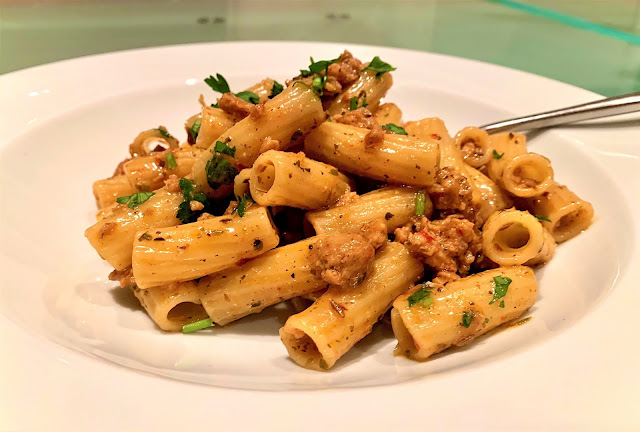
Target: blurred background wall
(594,44)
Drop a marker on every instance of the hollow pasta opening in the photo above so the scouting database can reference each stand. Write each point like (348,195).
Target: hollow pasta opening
(513,236)
(266,175)
(527,176)
(567,222)
(303,350)
(186,312)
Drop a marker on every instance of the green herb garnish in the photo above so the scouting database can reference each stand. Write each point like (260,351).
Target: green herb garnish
(189,193)
(136,199)
(353,103)
(394,129)
(497,155)
(542,218)
(219,171)
(276,89)
(248,96)
(322,65)
(223,148)
(420,200)
(379,66)
(198,325)
(170,160)
(242,205)
(501,287)
(195,129)
(467,318)
(318,83)
(220,84)
(422,296)
(163,132)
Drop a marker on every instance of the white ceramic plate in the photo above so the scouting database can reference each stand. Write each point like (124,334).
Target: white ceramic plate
(64,328)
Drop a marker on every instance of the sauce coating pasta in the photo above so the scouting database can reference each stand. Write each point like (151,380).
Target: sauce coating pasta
(316,192)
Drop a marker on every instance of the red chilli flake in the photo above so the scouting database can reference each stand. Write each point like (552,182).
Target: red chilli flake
(426,236)
(436,136)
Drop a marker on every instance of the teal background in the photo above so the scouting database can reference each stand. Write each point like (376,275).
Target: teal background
(592,44)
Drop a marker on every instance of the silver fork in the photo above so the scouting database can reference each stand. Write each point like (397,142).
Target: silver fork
(602,108)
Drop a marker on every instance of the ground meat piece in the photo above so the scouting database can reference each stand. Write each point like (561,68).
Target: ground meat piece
(374,137)
(173,183)
(375,232)
(331,86)
(125,277)
(362,118)
(342,259)
(195,205)
(346,198)
(452,193)
(346,70)
(448,245)
(233,105)
(269,143)
(444,277)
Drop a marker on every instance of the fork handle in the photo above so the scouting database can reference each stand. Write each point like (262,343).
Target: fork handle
(602,108)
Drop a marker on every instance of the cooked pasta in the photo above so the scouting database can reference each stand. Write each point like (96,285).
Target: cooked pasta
(288,179)
(318,193)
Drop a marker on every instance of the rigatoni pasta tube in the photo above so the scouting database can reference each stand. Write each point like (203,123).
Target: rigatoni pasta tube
(368,87)
(318,336)
(487,197)
(521,173)
(213,123)
(398,159)
(263,89)
(147,173)
(393,205)
(388,113)
(292,179)
(462,311)
(172,306)
(190,251)
(474,146)
(241,183)
(296,110)
(512,237)
(112,237)
(568,215)
(280,274)
(106,191)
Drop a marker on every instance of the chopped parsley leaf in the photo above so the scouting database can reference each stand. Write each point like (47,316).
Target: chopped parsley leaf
(318,83)
(276,89)
(223,148)
(220,84)
(467,318)
(334,172)
(501,287)
(319,66)
(497,155)
(248,96)
(194,130)
(394,129)
(185,214)
(501,304)
(219,171)
(163,132)
(422,296)
(353,103)
(542,218)
(198,325)
(242,205)
(170,160)
(379,66)
(136,199)
(215,105)
(420,199)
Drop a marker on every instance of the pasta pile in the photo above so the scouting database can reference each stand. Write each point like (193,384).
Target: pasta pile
(318,194)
